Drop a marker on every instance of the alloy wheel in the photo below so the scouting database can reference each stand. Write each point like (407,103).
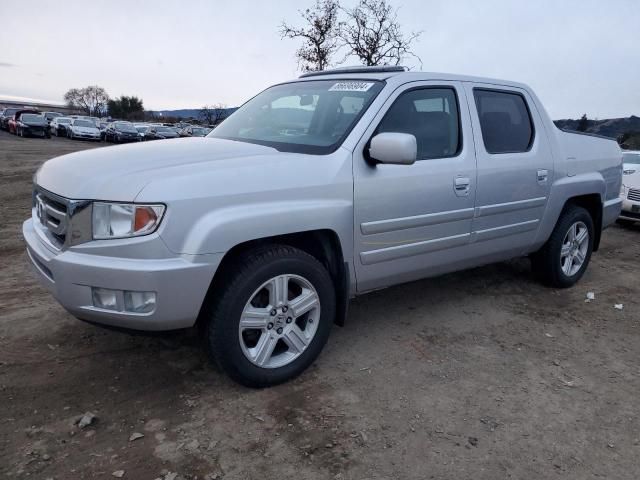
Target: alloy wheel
(574,249)
(279,321)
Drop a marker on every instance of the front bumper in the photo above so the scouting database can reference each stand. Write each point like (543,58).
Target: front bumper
(87,136)
(125,139)
(34,132)
(179,281)
(630,210)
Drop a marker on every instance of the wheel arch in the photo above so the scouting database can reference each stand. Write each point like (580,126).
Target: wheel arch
(323,244)
(592,203)
(586,190)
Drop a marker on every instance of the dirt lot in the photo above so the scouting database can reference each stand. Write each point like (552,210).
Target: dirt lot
(482,374)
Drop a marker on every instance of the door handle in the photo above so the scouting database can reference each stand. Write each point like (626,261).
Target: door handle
(461,186)
(543,176)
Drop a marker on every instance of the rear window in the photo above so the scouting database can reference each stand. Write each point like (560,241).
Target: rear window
(505,121)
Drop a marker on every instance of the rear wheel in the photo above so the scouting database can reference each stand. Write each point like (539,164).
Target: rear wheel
(564,258)
(272,318)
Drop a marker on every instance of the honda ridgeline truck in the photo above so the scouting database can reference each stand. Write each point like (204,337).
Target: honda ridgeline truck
(313,192)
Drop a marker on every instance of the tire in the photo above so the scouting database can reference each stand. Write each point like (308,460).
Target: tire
(240,350)
(562,261)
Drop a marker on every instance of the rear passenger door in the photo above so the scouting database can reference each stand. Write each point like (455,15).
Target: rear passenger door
(515,165)
(415,220)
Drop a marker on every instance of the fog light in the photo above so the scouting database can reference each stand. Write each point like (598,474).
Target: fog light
(139,302)
(105,298)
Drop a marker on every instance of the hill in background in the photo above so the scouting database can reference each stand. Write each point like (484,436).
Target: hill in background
(625,130)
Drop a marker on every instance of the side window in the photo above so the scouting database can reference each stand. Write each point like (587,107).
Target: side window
(429,114)
(505,121)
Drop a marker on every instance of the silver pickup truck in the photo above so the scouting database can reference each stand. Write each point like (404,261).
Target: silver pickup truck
(314,191)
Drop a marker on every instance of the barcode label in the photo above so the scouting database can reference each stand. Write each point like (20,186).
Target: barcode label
(351,87)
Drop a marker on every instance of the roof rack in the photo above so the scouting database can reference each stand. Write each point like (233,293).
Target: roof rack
(356,69)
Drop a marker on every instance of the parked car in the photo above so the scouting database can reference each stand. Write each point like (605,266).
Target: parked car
(51,115)
(194,131)
(81,129)
(32,125)
(121,132)
(103,129)
(630,192)
(13,121)
(160,133)
(7,114)
(314,191)
(58,126)
(142,130)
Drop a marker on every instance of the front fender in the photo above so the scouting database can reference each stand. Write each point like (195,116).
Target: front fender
(221,229)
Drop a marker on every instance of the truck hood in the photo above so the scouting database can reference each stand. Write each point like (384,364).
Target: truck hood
(119,173)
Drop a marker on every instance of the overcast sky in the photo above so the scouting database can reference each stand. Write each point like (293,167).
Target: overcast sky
(579,55)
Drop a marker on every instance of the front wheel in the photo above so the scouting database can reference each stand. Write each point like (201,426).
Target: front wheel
(564,258)
(272,317)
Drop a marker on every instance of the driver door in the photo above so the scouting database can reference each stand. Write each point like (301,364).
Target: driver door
(412,221)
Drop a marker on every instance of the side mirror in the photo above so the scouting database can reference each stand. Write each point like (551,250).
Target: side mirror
(394,148)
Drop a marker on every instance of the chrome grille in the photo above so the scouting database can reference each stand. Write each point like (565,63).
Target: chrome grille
(51,213)
(634,194)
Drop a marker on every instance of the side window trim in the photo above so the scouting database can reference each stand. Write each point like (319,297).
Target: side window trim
(459,148)
(527,107)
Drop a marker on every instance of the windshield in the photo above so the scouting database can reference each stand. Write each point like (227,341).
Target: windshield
(308,117)
(199,132)
(64,120)
(32,118)
(9,112)
(84,123)
(142,129)
(51,115)
(125,127)
(164,130)
(631,158)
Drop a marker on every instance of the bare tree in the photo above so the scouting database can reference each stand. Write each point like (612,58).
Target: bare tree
(373,35)
(320,35)
(92,100)
(213,114)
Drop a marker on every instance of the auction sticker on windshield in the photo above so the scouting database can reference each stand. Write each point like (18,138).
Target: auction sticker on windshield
(351,87)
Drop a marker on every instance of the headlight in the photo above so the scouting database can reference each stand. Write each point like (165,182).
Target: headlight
(123,220)
(629,171)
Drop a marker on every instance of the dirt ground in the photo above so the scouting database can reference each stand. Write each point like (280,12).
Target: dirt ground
(481,374)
